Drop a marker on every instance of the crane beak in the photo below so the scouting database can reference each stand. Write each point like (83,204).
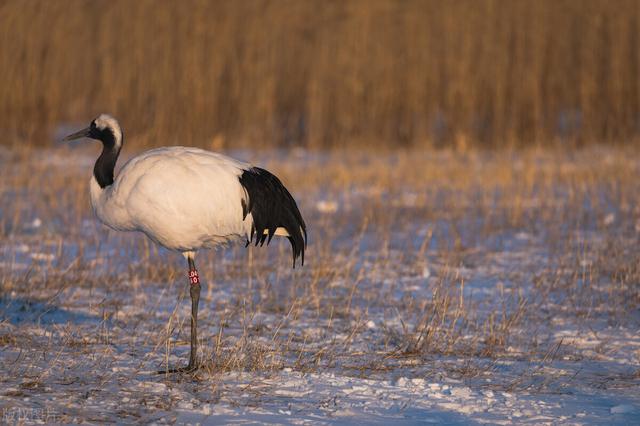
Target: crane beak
(77,135)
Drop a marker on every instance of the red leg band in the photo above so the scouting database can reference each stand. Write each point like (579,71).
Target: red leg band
(193,277)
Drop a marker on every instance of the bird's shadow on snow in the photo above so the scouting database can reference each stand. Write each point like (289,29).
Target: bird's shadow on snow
(19,311)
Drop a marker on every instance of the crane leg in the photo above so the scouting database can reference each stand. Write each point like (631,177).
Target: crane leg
(194,281)
(194,290)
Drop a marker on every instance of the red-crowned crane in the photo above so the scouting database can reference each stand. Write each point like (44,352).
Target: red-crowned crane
(187,199)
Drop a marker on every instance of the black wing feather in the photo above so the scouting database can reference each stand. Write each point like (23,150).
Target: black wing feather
(272,206)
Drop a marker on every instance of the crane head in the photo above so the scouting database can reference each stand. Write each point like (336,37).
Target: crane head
(104,128)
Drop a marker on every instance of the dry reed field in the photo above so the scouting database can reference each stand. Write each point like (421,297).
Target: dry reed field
(325,73)
(489,287)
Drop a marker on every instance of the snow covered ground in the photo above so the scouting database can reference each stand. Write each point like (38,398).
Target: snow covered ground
(444,290)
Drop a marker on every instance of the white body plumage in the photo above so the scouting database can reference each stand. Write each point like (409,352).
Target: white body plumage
(182,198)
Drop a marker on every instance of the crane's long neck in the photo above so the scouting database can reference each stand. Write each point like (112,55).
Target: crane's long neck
(106,163)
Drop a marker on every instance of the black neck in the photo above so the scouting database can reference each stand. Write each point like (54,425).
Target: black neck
(106,163)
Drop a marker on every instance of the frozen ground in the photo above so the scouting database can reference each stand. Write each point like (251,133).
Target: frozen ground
(428,297)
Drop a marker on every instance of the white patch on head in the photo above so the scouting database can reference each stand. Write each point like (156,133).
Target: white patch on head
(104,121)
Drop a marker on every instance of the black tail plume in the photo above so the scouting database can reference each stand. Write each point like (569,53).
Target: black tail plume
(272,207)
